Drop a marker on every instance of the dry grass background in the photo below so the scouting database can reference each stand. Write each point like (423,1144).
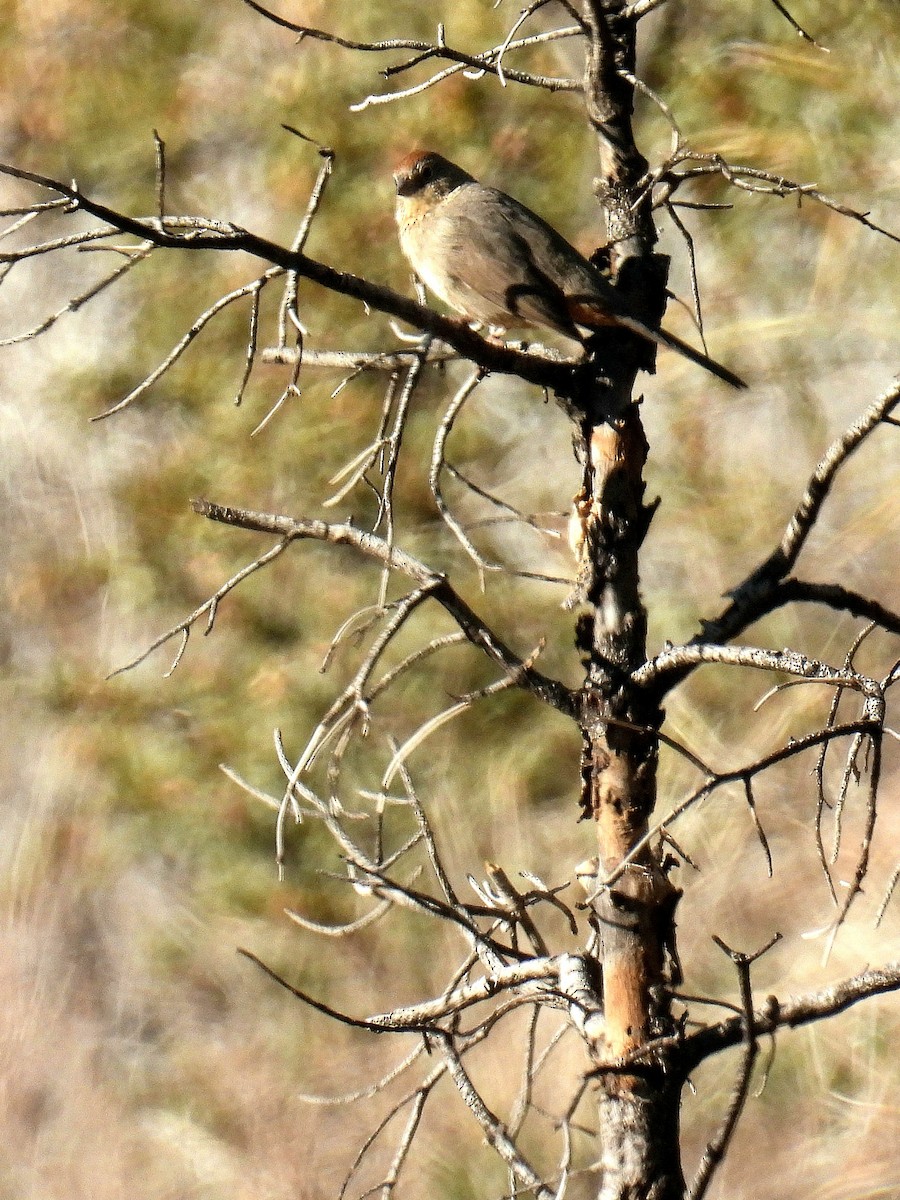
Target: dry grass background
(140,1055)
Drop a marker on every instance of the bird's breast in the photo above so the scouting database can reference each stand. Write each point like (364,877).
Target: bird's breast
(421,241)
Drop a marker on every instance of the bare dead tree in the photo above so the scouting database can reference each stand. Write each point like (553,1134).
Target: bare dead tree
(619,992)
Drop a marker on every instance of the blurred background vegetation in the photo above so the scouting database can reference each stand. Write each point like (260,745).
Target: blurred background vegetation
(140,1055)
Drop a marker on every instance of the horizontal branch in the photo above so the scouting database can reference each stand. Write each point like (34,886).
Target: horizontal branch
(514,975)
(551,691)
(201,234)
(327,1010)
(488,61)
(752,179)
(774,1014)
(676,658)
(838,597)
(359,360)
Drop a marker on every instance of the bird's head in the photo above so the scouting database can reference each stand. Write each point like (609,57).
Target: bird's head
(423,173)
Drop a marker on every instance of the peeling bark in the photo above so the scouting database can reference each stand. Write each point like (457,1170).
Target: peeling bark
(638,1101)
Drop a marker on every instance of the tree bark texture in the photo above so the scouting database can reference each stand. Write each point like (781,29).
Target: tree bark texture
(638,1099)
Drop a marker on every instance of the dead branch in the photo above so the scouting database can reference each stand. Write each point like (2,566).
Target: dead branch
(479,634)
(492,1128)
(676,658)
(715,1151)
(204,234)
(537,971)
(821,801)
(391,442)
(634,12)
(837,597)
(353,703)
(134,256)
(765,589)
(209,608)
(254,288)
(511,679)
(749,179)
(439,464)
(800,31)
(776,1014)
(340,1017)
(359,360)
(617,1001)
(799,745)
(371,1089)
(490,61)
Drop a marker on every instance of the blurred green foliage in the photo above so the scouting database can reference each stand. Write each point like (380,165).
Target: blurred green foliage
(135,865)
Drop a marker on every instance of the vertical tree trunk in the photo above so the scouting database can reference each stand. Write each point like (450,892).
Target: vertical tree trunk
(638,1099)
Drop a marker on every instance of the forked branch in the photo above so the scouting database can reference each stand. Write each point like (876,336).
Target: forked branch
(803,1009)
(200,233)
(549,690)
(766,588)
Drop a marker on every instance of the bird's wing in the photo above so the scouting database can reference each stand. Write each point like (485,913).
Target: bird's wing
(589,298)
(494,256)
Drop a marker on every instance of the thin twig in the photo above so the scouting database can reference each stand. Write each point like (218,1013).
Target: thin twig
(798,1010)
(716,1148)
(794,747)
(135,255)
(752,179)
(198,233)
(765,589)
(248,289)
(335,1014)
(801,32)
(492,1128)
(439,464)
(550,690)
(208,607)
(371,1089)
(393,443)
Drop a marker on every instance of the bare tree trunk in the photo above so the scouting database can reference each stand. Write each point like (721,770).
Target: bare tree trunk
(638,1106)
(617,989)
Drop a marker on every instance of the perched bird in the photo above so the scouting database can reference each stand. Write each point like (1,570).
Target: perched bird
(498,264)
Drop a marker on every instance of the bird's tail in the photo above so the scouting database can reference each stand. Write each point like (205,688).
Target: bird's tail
(671,342)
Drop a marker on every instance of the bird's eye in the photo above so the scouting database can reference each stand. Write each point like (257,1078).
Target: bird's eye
(425,171)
